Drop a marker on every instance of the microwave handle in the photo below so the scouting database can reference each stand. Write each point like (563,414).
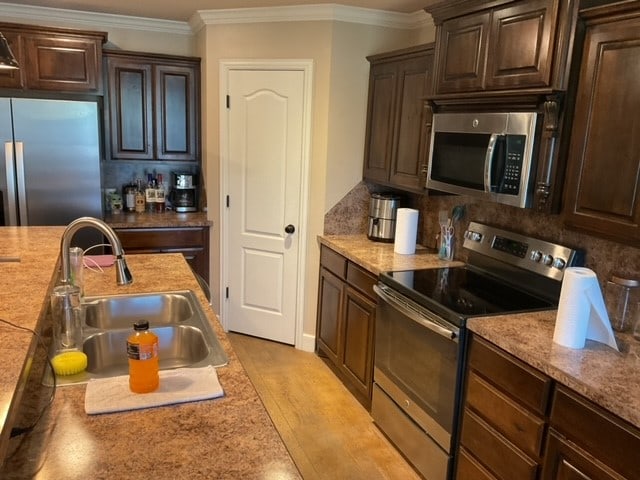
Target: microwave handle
(488,161)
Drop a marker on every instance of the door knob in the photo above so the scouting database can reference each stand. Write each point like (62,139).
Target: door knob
(289,229)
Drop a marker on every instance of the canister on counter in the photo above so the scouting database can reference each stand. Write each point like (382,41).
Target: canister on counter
(621,295)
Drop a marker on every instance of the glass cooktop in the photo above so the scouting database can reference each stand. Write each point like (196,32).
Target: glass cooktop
(463,291)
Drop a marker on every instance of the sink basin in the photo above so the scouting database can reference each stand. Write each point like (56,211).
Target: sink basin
(179,346)
(122,311)
(185,337)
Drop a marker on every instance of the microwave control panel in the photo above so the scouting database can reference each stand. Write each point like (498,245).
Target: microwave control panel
(514,155)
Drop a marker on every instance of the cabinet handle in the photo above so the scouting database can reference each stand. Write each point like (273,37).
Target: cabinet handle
(289,229)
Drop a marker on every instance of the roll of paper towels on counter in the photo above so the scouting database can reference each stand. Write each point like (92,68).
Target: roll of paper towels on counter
(406,231)
(582,313)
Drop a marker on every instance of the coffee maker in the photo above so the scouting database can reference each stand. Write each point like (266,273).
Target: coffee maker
(184,192)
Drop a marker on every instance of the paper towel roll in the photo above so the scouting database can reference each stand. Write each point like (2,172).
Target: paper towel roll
(406,231)
(581,312)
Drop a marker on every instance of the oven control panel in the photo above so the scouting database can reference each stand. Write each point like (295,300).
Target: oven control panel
(530,253)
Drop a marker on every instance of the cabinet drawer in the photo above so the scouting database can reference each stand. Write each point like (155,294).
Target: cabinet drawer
(334,262)
(494,451)
(470,469)
(160,238)
(598,432)
(522,428)
(512,376)
(361,279)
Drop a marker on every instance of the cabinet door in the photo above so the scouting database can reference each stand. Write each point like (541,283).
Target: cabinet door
(521,43)
(357,355)
(462,50)
(330,293)
(410,155)
(130,109)
(565,461)
(63,64)
(603,176)
(13,78)
(380,121)
(176,120)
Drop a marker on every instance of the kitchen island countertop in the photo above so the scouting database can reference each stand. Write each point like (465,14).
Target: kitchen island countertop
(229,437)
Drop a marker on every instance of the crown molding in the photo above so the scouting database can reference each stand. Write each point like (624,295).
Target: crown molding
(305,13)
(101,21)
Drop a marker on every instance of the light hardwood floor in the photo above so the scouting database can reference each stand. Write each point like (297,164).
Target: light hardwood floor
(328,433)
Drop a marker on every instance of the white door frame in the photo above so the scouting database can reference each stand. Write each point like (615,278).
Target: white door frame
(305,66)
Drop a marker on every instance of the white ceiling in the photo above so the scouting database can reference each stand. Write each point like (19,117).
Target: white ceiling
(182,10)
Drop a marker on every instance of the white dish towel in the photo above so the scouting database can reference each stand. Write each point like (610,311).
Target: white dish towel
(107,395)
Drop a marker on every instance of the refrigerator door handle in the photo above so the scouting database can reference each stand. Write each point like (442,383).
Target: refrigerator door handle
(11,184)
(22,185)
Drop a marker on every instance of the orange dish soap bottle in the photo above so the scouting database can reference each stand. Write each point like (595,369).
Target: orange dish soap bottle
(142,350)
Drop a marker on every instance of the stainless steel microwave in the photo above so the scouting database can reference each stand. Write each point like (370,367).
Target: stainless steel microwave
(485,155)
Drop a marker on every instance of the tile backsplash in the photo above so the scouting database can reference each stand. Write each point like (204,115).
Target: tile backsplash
(604,257)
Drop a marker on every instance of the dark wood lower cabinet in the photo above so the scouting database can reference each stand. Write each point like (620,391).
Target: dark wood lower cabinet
(567,461)
(192,242)
(518,424)
(345,322)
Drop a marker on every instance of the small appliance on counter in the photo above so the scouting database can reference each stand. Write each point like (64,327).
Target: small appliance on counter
(382,217)
(184,192)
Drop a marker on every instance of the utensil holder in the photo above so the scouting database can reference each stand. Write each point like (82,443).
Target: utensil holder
(446,244)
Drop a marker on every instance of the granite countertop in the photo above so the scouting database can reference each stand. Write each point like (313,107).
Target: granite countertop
(608,378)
(229,437)
(378,257)
(168,219)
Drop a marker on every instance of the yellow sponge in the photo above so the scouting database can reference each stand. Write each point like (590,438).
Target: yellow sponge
(69,363)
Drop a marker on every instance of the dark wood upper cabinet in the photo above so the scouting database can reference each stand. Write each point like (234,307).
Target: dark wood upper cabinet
(398,120)
(462,51)
(602,193)
(54,59)
(154,107)
(502,45)
(521,42)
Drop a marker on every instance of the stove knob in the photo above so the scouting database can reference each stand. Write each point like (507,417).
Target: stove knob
(536,255)
(547,260)
(476,237)
(559,263)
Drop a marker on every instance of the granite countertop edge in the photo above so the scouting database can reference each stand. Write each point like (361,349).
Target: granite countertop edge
(167,219)
(608,378)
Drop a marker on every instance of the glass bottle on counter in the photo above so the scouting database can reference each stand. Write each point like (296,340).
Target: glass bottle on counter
(150,194)
(160,194)
(140,197)
(142,351)
(129,194)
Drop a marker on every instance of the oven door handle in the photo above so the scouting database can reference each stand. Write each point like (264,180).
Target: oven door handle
(416,316)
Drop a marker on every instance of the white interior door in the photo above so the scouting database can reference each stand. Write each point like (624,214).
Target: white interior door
(266,147)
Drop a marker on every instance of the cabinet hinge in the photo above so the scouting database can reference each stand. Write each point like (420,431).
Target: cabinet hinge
(228,101)
(226,293)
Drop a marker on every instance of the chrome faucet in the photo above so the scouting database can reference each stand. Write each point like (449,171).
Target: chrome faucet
(123,275)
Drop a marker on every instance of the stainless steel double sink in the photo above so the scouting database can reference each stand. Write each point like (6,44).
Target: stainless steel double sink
(185,336)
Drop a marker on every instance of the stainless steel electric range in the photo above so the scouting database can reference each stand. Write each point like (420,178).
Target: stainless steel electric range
(421,335)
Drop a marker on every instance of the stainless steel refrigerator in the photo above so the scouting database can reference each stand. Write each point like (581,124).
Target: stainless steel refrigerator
(50,169)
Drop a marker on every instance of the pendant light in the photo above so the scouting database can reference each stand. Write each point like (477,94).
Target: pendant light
(7,60)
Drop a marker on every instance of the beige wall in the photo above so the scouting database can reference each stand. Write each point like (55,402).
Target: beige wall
(340,83)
